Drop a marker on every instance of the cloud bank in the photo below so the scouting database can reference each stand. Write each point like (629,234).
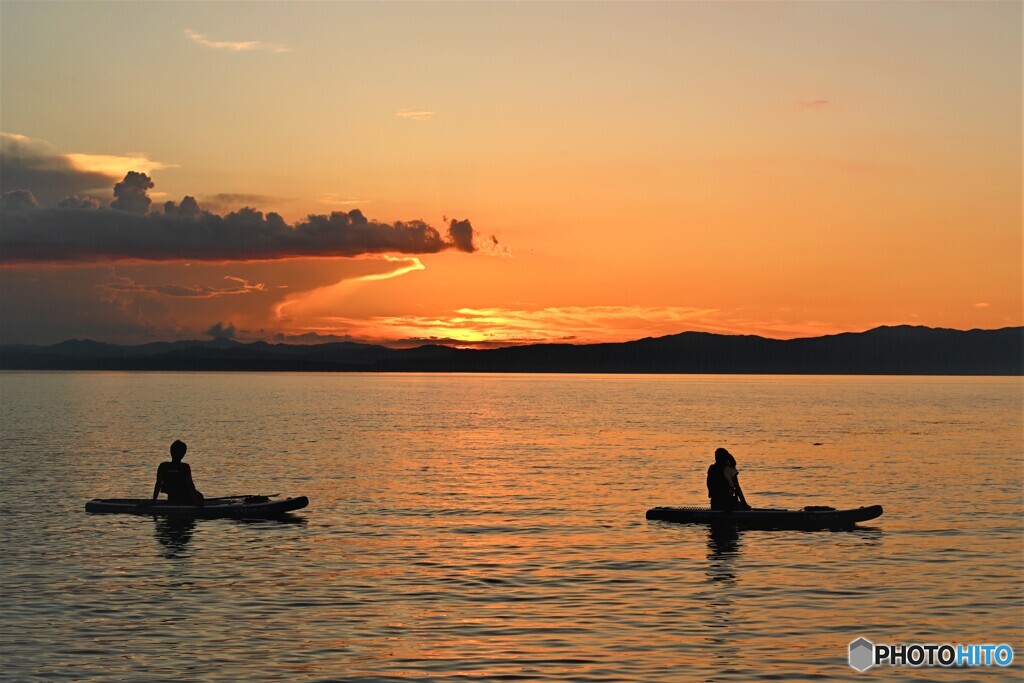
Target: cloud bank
(27,164)
(78,230)
(36,166)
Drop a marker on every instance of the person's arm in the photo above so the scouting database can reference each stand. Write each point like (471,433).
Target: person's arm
(156,486)
(739,491)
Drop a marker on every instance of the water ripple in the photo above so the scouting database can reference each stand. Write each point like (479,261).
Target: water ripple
(492,527)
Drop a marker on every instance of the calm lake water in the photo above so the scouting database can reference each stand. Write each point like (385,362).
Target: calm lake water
(492,527)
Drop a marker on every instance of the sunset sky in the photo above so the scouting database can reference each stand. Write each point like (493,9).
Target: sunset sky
(493,173)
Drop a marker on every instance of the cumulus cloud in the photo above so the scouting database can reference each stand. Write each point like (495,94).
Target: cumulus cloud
(220,331)
(127,231)
(188,207)
(234,46)
(34,165)
(77,202)
(460,234)
(17,200)
(131,194)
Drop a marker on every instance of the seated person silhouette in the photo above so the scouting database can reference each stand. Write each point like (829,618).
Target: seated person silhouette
(175,479)
(724,483)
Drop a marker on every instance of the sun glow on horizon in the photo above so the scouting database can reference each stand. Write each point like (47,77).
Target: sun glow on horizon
(748,168)
(472,328)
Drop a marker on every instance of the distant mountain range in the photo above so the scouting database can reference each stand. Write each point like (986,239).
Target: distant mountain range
(902,350)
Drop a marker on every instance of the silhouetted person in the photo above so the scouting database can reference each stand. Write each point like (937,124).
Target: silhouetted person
(175,479)
(724,483)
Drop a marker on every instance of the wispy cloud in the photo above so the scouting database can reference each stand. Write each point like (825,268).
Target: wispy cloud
(415,114)
(815,103)
(231,201)
(238,286)
(981,304)
(115,165)
(235,46)
(336,199)
(312,303)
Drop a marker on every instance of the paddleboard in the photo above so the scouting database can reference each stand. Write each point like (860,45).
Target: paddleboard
(812,517)
(249,507)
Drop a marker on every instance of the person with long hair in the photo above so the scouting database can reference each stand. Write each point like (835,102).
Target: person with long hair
(724,483)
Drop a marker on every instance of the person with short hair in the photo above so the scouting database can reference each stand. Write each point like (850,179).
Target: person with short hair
(724,483)
(175,479)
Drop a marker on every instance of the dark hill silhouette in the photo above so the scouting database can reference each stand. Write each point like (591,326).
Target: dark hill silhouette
(902,350)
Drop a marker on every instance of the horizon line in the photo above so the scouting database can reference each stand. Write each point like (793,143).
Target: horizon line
(399,344)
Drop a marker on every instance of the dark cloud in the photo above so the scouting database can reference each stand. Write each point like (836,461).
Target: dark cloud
(77,202)
(314,338)
(184,232)
(460,233)
(27,164)
(188,207)
(226,201)
(39,306)
(219,331)
(131,194)
(17,200)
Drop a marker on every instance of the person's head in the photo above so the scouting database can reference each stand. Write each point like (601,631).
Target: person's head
(724,457)
(178,449)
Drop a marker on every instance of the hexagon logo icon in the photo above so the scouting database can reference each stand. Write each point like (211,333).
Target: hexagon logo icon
(862,654)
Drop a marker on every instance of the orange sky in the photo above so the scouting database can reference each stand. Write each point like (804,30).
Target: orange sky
(629,169)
